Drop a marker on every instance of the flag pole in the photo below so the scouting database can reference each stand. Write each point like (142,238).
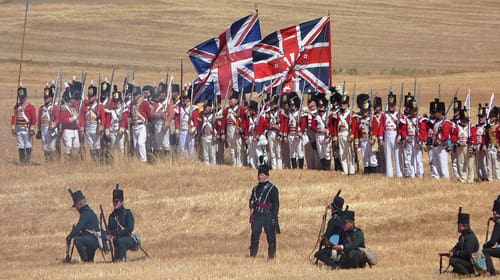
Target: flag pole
(22,44)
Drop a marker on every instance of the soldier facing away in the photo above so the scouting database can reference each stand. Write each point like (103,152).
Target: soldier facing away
(264,208)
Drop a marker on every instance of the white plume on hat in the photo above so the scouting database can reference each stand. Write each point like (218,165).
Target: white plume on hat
(66,85)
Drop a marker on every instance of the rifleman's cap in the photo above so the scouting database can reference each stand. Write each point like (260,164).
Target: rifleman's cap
(117,193)
(337,202)
(76,196)
(391,98)
(22,92)
(263,169)
(253,105)
(349,215)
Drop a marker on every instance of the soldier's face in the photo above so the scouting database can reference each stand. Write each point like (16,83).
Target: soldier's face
(263,177)
(117,204)
(234,102)
(312,106)
(348,225)
(460,227)
(496,214)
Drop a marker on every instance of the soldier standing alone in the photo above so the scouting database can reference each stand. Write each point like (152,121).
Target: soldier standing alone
(264,209)
(23,125)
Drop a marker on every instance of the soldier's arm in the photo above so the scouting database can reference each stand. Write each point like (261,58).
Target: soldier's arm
(80,226)
(129,223)
(275,200)
(495,236)
(358,240)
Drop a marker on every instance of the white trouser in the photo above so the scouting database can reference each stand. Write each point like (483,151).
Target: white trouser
(49,138)
(24,139)
(413,159)
(117,142)
(161,137)
(439,163)
(481,157)
(454,161)
(465,164)
(139,134)
(233,139)
(186,143)
(71,140)
(324,149)
(208,149)
(390,146)
(346,153)
(93,138)
(295,144)
(274,149)
(369,157)
(493,164)
(252,158)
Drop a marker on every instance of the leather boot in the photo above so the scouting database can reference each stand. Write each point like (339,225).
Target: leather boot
(322,163)
(28,155)
(366,171)
(328,164)
(301,163)
(294,163)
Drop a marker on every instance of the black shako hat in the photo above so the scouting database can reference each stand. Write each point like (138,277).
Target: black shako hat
(349,215)
(496,205)
(117,193)
(263,169)
(76,196)
(463,218)
(337,202)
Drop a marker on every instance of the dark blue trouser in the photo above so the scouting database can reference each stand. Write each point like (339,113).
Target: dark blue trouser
(266,223)
(122,244)
(488,253)
(86,245)
(461,266)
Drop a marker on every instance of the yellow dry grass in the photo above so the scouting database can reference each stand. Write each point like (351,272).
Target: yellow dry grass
(194,219)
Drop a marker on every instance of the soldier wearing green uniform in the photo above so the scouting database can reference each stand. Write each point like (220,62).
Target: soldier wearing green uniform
(351,239)
(84,232)
(120,226)
(461,254)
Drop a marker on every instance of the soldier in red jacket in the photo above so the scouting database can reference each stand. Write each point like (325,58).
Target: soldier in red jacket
(414,134)
(116,123)
(294,131)
(140,112)
(232,120)
(343,135)
(365,134)
(493,144)
(186,124)
(441,141)
(390,138)
(94,120)
(23,125)
(208,133)
(462,139)
(47,124)
(255,137)
(480,147)
(71,125)
(322,125)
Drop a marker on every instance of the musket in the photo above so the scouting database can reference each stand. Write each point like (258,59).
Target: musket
(55,94)
(371,116)
(111,85)
(84,78)
(389,90)
(182,76)
(417,127)
(69,249)
(22,48)
(451,102)
(103,221)
(441,255)
(439,91)
(351,145)
(98,103)
(399,109)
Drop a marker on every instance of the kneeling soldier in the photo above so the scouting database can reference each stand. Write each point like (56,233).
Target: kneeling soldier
(491,247)
(461,254)
(351,240)
(84,232)
(120,226)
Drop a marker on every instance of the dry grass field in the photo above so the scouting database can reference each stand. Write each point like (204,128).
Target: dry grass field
(194,219)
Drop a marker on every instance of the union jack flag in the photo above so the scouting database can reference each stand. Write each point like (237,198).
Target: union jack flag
(297,58)
(225,62)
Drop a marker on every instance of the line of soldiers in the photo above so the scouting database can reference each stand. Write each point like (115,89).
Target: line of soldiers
(462,255)
(158,121)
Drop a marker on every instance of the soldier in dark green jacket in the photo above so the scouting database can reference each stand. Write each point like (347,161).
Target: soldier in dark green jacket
(120,226)
(351,240)
(84,232)
(461,254)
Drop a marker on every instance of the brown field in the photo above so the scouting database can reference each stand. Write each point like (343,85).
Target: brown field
(194,219)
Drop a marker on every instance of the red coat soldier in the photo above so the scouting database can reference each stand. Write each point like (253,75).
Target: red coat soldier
(23,125)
